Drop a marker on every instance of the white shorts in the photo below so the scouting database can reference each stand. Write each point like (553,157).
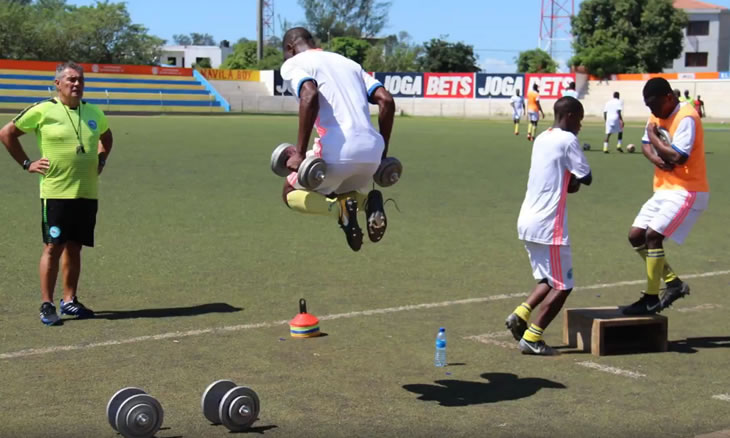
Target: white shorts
(672,212)
(341,177)
(613,127)
(533,116)
(516,116)
(551,262)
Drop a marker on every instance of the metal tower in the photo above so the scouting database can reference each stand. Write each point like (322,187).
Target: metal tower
(555,24)
(264,25)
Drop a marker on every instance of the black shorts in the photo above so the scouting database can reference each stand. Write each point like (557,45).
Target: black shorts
(64,220)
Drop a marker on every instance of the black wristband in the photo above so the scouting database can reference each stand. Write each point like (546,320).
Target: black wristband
(102,161)
(26,164)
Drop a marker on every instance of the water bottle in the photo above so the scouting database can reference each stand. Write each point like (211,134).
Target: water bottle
(440,359)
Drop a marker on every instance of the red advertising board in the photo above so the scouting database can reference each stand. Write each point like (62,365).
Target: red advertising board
(98,68)
(552,85)
(446,85)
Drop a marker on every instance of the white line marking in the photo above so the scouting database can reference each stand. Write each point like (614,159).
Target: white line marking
(699,308)
(612,370)
(723,397)
(233,328)
(490,339)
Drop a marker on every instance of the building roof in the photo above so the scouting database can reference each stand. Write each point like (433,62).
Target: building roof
(695,4)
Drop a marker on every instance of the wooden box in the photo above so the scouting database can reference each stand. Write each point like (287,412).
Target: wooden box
(605,330)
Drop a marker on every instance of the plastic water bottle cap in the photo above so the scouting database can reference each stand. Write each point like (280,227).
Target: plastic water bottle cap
(442,329)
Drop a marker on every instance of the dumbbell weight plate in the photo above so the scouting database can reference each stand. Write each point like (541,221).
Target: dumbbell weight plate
(239,408)
(312,172)
(117,399)
(279,158)
(389,172)
(212,397)
(139,416)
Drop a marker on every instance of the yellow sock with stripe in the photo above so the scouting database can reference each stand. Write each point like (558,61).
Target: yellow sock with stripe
(315,203)
(533,334)
(654,270)
(523,311)
(517,128)
(668,273)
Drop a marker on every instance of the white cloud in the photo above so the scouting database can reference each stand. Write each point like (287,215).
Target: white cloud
(496,65)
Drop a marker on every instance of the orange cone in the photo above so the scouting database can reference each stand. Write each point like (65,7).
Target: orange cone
(304,325)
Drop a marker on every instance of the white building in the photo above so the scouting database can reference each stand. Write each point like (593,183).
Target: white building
(186,56)
(706,38)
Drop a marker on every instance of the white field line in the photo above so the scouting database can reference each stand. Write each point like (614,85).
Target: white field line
(723,397)
(699,308)
(612,370)
(491,339)
(355,314)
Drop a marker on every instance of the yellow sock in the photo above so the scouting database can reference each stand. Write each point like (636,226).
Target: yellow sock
(517,128)
(668,273)
(308,202)
(523,311)
(533,334)
(530,128)
(361,198)
(654,270)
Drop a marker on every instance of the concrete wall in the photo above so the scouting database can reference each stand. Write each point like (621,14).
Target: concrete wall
(716,43)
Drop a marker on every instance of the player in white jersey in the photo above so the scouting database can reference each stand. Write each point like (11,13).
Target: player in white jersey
(557,167)
(612,115)
(518,109)
(333,94)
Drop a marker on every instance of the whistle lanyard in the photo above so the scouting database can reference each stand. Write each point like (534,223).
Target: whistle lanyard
(80,147)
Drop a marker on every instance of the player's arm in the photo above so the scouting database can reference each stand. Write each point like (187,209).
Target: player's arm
(678,151)
(605,116)
(106,141)
(579,168)
(308,110)
(651,154)
(9,136)
(539,107)
(386,114)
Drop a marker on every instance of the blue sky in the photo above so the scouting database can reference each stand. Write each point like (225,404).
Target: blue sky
(496,29)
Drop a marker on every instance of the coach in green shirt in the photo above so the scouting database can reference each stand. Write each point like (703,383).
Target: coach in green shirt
(74,141)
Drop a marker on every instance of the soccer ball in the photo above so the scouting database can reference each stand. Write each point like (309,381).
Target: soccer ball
(631,148)
(586,147)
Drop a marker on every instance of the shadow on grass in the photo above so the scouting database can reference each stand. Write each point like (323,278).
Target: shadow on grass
(501,387)
(168,312)
(254,429)
(692,345)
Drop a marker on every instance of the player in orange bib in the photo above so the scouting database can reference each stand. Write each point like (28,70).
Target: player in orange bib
(674,143)
(533,108)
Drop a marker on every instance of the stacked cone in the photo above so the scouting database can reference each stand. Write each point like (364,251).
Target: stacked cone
(304,325)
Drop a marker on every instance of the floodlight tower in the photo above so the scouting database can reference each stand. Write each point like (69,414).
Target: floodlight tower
(555,26)
(264,25)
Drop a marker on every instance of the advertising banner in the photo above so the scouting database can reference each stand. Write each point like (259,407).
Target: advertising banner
(499,86)
(99,68)
(552,85)
(214,74)
(279,89)
(449,85)
(402,84)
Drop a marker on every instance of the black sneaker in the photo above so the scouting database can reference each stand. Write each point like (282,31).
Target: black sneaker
(48,314)
(375,213)
(516,325)
(75,308)
(348,223)
(618,148)
(674,291)
(647,305)
(539,348)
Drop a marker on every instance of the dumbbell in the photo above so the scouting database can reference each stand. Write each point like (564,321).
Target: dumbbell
(134,413)
(311,173)
(389,172)
(664,135)
(236,407)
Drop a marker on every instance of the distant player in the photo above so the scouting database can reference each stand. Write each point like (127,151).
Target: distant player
(687,98)
(700,107)
(614,121)
(681,192)
(518,109)
(534,110)
(557,167)
(570,92)
(333,94)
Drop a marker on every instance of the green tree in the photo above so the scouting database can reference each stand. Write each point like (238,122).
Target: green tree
(393,54)
(194,39)
(182,40)
(244,57)
(327,19)
(349,47)
(627,36)
(536,61)
(443,56)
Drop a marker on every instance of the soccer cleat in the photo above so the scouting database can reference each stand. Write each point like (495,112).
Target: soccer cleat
(375,213)
(674,291)
(646,305)
(516,325)
(618,148)
(539,348)
(75,308)
(48,314)
(348,223)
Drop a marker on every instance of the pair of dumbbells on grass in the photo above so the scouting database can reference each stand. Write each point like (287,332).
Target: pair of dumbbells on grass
(313,170)
(135,414)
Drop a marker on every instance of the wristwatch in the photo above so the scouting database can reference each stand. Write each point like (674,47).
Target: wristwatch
(26,164)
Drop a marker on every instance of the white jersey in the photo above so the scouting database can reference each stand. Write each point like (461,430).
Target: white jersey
(518,105)
(343,123)
(612,109)
(570,93)
(543,216)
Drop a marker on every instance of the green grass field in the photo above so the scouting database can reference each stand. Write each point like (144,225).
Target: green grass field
(198,265)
